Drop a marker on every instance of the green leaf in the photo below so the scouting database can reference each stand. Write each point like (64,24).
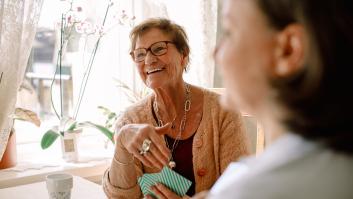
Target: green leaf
(111,115)
(48,138)
(72,127)
(109,134)
(105,110)
(66,124)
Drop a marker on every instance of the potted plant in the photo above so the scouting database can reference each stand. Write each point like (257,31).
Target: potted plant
(69,129)
(9,158)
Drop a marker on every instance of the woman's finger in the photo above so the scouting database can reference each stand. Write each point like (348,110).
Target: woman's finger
(143,159)
(160,149)
(163,129)
(167,193)
(157,139)
(148,197)
(133,148)
(154,155)
(150,158)
(158,193)
(157,155)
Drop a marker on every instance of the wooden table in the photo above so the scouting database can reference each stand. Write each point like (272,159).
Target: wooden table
(82,188)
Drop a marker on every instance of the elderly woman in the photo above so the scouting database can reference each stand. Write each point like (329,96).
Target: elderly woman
(179,125)
(289,63)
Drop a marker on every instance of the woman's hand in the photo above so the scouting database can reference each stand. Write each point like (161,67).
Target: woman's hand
(132,136)
(163,192)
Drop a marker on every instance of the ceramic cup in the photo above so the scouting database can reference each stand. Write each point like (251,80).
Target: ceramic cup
(59,185)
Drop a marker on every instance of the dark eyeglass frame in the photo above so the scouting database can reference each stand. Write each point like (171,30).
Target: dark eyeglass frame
(149,49)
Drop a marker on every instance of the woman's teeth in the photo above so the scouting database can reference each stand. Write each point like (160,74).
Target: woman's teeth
(154,70)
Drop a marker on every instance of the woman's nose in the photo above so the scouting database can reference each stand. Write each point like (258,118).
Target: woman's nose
(150,58)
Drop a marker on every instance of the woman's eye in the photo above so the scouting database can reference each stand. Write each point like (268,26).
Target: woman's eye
(157,49)
(140,54)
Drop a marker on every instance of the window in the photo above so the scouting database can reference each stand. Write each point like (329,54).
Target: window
(112,62)
(40,94)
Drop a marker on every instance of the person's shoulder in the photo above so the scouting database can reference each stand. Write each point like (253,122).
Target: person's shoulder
(314,181)
(211,98)
(319,174)
(211,94)
(247,186)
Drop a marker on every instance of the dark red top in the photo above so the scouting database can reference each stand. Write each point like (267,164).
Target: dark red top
(182,155)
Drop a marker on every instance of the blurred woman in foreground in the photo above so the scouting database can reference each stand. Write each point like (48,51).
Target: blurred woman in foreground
(290,64)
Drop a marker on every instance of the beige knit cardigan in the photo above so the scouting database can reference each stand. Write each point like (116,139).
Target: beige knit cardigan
(219,140)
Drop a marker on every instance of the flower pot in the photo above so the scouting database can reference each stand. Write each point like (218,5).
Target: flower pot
(69,143)
(9,159)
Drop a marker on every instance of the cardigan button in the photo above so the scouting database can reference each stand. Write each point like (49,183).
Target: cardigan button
(198,143)
(201,172)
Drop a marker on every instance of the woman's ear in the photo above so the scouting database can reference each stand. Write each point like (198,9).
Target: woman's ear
(289,51)
(185,61)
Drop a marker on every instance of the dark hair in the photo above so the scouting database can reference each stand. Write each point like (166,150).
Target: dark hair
(319,97)
(175,31)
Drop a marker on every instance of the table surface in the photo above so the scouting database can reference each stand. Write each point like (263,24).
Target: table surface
(82,188)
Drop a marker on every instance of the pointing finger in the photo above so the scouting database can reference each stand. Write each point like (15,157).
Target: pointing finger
(164,129)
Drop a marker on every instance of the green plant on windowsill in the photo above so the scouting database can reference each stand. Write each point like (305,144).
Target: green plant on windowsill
(110,117)
(68,124)
(71,126)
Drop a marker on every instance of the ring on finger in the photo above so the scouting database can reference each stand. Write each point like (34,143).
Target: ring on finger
(146,145)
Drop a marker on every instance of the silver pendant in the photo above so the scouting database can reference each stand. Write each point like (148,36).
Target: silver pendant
(172,164)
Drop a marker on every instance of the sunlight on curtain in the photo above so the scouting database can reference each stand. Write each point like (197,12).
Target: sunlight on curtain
(18,20)
(199,17)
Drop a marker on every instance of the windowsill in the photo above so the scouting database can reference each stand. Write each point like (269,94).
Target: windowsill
(34,163)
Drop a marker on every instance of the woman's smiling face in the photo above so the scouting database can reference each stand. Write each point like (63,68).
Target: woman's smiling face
(163,70)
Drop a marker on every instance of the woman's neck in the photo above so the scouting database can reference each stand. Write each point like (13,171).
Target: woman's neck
(170,100)
(272,124)
(273,132)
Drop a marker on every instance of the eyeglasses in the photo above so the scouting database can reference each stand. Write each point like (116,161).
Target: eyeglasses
(157,49)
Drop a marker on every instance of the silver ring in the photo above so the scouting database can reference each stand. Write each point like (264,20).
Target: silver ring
(146,144)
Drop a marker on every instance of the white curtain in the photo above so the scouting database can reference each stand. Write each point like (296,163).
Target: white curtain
(18,19)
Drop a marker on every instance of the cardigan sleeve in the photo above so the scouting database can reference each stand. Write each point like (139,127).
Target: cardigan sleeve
(112,191)
(233,139)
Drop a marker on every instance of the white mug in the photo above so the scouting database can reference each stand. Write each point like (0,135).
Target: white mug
(59,185)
